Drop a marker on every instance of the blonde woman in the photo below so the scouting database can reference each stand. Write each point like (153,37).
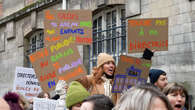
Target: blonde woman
(143,97)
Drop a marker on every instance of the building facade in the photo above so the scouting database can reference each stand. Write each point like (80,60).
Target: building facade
(21,33)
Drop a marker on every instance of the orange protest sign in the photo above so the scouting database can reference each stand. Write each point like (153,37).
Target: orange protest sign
(58,61)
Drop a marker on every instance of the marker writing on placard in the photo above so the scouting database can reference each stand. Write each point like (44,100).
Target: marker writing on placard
(153,32)
(52,39)
(19,88)
(32,83)
(67,15)
(56,65)
(134,72)
(140,22)
(81,40)
(60,45)
(54,24)
(146,65)
(60,55)
(78,71)
(68,67)
(26,75)
(31,94)
(68,24)
(51,31)
(49,16)
(51,84)
(141,45)
(71,31)
(118,83)
(85,24)
(141,32)
(47,76)
(161,22)
(38,55)
(44,64)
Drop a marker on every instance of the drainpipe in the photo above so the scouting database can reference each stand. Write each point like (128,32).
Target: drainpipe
(64,4)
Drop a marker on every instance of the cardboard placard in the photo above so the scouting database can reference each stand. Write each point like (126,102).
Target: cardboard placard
(147,33)
(60,61)
(60,24)
(26,82)
(44,104)
(130,71)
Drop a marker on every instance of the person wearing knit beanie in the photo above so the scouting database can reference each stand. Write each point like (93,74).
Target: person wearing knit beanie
(76,93)
(158,78)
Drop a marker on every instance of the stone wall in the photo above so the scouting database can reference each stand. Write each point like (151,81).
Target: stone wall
(179,60)
(13,38)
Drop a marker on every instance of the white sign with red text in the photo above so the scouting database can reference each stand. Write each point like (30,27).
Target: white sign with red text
(26,82)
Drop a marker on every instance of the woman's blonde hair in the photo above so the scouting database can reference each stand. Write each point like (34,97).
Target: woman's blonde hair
(141,97)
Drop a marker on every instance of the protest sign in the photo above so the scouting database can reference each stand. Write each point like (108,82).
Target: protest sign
(130,71)
(44,104)
(26,82)
(147,33)
(60,61)
(60,24)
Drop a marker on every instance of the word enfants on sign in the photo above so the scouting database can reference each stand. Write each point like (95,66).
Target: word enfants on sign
(60,24)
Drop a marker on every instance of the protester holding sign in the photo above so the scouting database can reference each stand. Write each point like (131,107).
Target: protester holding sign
(101,79)
(177,95)
(143,97)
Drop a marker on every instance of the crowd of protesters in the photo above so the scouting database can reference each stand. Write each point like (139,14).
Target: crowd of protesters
(93,92)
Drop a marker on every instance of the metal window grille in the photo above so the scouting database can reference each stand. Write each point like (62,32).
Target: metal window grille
(36,41)
(111,39)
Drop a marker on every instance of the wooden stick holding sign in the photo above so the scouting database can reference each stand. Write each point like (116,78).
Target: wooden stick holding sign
(130,71)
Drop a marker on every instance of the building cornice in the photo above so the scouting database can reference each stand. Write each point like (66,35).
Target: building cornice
(39,5)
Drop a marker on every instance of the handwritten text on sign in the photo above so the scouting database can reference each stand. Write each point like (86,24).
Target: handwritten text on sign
(130,71)
(26,82)
(61,24)
(147,33)
(60,61)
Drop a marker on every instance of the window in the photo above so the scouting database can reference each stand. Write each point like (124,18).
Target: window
(109,34)
(35,42)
